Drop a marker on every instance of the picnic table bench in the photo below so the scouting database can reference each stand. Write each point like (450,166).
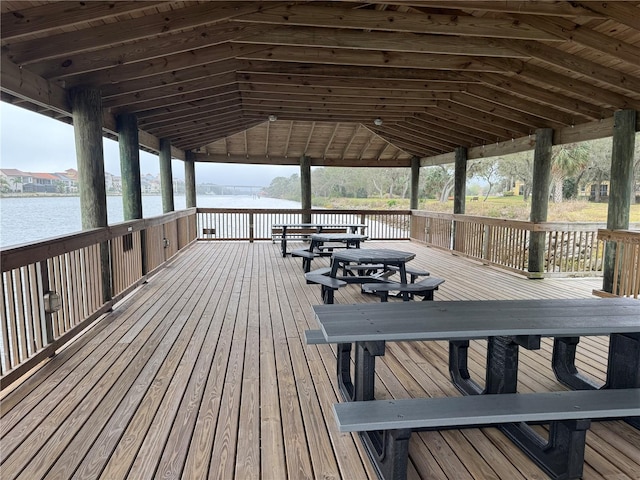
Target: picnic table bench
(506,325)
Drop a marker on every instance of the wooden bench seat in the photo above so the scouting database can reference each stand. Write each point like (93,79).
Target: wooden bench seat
(561,457)
(328,284)
(423,288)
(306,255)
(413,273)
(314,337)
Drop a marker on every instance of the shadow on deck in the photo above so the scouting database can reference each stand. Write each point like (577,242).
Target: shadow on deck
(203,372)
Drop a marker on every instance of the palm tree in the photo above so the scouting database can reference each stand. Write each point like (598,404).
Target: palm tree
(567,160)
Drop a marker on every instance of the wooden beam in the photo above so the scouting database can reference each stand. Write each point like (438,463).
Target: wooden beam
(580,34)
(333,17)
(177,43)
(527,6)
(315,162)
(317,83)
(547,98)
(380,40)
(305,99)
(150,105)
(102,36)
(490,123)
(44,18)
(574,63)
(198,87)
(623,12)
(374,59)
(348,71)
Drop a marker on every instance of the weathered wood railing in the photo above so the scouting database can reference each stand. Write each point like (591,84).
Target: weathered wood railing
(245,224)
(54,289)
(625,245)
(571,249)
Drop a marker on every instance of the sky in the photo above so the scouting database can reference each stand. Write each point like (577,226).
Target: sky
(35,143)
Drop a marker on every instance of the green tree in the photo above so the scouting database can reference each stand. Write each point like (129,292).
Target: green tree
(518,167)
(486,170)
(566,161)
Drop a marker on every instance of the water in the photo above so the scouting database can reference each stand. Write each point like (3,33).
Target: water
(27,219)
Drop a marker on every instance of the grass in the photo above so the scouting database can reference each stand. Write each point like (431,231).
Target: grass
(513,208)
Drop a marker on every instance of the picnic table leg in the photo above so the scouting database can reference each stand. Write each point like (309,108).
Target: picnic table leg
(501,372)
(389,452)
(563,362)
(283,241)
(623,366)
(361,387)
(345,383)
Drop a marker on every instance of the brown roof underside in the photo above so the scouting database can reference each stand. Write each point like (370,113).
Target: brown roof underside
(207,75)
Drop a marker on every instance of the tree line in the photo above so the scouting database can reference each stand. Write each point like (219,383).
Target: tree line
(573,166)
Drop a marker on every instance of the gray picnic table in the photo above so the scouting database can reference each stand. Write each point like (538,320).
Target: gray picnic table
(506,325)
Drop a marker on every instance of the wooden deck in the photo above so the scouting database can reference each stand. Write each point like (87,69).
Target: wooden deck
(203,373)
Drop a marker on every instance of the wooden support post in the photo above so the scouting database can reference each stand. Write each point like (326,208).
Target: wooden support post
(415,182)
(540,199)
(305,187)
(190,179)
(86,107)
(166,177)
(460,185)
(621,186)
(459,194)
(130,166)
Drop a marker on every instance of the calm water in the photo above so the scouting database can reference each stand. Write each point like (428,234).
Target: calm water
(24,220)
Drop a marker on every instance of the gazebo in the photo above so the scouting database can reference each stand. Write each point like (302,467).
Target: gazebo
(336,83)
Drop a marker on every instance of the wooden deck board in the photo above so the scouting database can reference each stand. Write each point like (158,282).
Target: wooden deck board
(204,373)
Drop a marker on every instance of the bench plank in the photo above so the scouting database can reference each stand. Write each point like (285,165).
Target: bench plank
(474,410)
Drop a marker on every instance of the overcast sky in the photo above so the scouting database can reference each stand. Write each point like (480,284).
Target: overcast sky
(35,143)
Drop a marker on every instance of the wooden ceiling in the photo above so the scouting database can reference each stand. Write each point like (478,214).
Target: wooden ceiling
(438,74)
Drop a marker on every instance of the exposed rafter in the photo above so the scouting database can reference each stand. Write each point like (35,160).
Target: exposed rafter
(207,75)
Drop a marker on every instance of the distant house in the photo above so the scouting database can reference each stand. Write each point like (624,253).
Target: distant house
(66,183)
(42,183)
(14,179)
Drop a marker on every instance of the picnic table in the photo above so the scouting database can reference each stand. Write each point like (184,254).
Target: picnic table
(369,256)
(507,325)
(288,231)
(317,246)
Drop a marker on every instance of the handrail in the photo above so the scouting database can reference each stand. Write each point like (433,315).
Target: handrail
(624,248)
(252,224)
(54,289)
(571,249)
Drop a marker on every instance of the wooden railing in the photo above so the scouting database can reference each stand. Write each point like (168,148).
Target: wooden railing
(54,289)
(244,224)
(571,249)
(625,254)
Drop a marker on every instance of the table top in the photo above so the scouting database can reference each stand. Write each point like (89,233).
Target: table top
(373,255)
(316,225)
(477,319)
(337,237)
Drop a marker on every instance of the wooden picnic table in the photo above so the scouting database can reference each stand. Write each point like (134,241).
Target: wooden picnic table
(506,325)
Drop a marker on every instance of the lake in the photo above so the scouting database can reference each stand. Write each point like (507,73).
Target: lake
(27,219)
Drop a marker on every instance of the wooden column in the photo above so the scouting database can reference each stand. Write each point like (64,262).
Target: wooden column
(86,107)
(130,166)
(166,177)
(190,179)
(459,196)
(305,187)
(540,199)
(621,185)
(460,185)
(415,183)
